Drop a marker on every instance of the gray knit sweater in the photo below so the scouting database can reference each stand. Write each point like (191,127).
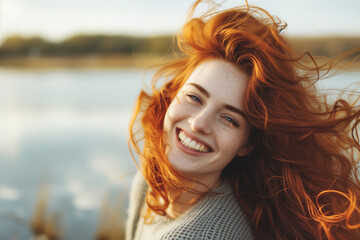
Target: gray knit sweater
(214,217)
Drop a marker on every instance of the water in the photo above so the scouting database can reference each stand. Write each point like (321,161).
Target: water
(69,128)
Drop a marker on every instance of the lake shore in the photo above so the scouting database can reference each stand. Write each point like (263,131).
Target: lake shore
(108,62)
(84,62)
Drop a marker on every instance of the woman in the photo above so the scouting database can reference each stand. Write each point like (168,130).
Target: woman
(239,144)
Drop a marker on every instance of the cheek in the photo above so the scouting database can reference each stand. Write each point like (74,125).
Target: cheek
(177,110)
(167,121)
(173,114)
(231,144)
(171,111)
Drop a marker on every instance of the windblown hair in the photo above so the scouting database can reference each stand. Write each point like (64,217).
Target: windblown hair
(301,180)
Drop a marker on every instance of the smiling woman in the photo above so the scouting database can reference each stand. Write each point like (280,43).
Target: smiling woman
(202,116)
(239,144)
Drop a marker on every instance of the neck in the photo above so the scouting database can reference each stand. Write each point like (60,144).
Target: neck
(182,201)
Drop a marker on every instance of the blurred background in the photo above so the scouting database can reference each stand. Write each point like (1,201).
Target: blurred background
(70,72)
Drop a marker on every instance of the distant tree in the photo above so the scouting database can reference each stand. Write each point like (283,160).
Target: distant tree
(79,44)
(21,46)
(118,44)
(158,45)
(162,44)
(325,46)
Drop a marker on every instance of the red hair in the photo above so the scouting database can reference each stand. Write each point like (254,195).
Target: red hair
(301,180)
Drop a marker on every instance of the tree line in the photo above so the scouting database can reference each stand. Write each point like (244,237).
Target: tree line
(19,46)
(85,45)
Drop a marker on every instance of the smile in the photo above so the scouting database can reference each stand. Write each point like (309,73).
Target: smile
(192,144)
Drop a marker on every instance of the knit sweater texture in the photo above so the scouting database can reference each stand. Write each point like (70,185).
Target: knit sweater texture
(214,217)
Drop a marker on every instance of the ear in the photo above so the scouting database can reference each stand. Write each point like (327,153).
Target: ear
(245,150)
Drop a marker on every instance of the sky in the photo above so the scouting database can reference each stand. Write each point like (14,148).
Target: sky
(59,19)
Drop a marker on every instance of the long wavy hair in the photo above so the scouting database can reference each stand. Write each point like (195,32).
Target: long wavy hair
(301,180)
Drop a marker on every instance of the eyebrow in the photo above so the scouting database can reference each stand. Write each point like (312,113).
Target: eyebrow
(201,89)
(226,106)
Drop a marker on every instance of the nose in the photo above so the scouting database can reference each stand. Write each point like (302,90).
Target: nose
(201,122)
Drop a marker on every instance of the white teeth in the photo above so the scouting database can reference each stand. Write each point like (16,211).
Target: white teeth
(201,149)
(192,144)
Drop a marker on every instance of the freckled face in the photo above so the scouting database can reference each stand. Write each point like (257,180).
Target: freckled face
(204,125)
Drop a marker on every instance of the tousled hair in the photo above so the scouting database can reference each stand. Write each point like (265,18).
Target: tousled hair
(301,180)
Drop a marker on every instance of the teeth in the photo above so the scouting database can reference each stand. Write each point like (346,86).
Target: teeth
(197,147)
(192,144)
(201,149)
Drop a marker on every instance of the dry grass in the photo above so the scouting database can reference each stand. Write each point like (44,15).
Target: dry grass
(46,225)
(111,220)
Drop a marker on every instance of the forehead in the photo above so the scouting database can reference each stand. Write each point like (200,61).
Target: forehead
(220,78)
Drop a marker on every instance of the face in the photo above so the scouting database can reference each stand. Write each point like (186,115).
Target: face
(204,126)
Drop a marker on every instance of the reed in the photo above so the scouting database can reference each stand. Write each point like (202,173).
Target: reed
(44,226)
(111,224)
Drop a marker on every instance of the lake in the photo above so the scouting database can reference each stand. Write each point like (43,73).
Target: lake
(68,129)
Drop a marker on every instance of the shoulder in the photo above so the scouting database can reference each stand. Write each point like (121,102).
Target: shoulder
(215,217)
(138,191)
(137,199)
(139,186)
(223,217)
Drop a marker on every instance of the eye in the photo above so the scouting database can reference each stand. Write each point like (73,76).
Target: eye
(231,121)
(193,97)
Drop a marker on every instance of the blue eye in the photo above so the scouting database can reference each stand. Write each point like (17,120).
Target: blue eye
(233,123)
(194,97)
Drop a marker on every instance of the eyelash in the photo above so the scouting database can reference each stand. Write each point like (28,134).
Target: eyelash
(194,97)
(231,121)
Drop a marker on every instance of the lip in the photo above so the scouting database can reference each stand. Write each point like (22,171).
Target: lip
(187,150)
